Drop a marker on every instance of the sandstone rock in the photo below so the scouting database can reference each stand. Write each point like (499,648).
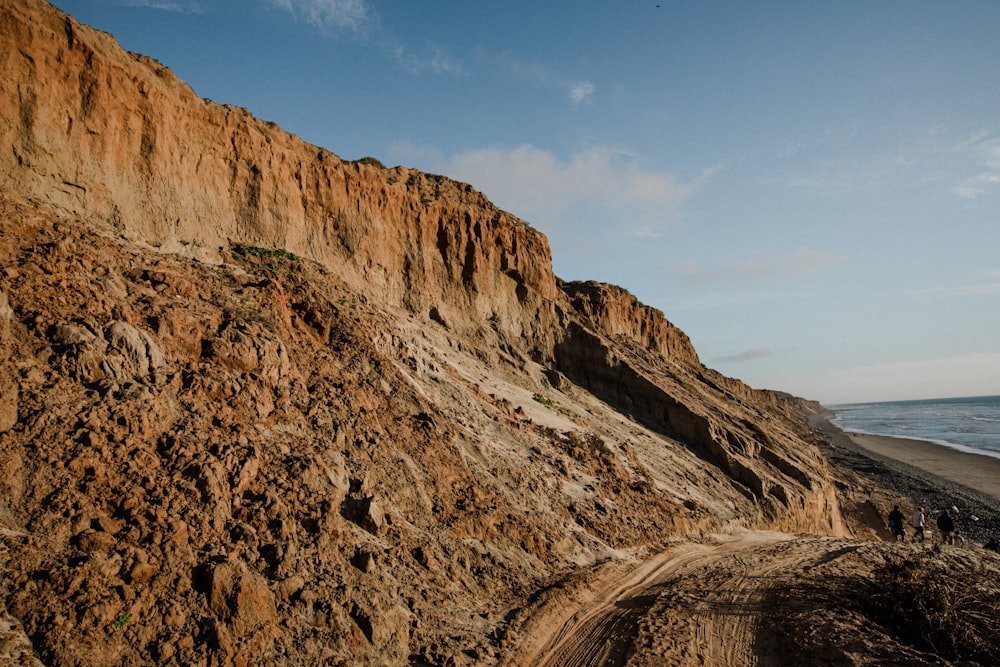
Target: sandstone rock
(210,480)
(95,541)
(141,573)
(73,334)
(365,560)
(15,645)
(291,586)
(119,352)
(9,389)
(245,352)
(247,474)
(391,634)
(108,525)
(140,354)
(615,313)
(241,600)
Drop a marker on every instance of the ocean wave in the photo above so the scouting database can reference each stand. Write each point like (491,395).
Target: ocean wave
(963,424)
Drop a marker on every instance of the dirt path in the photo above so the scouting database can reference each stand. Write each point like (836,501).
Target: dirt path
(695,604)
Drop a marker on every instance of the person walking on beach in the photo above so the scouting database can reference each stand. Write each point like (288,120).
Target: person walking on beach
(896,524)
(917,521)
(947,527)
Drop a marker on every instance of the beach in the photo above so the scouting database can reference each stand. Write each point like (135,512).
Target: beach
(880,471)
(976,471)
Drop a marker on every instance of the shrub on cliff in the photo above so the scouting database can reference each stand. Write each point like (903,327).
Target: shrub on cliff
(941,606)
(373,161)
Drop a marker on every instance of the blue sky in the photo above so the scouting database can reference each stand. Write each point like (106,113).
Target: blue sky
(810,190)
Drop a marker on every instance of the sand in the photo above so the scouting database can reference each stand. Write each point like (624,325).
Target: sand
(976,471)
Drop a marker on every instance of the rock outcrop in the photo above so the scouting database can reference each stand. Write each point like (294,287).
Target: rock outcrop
(260,405)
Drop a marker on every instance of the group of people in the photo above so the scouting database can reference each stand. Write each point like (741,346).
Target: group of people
(945,525)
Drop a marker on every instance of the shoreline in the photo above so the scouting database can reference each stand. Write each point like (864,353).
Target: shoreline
(976,471)
(962,449)
(980,472)
(917,472)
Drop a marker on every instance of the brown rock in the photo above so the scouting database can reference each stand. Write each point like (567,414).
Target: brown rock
(291,586)
(244,607)
(108,525)
(95,541)
(141,573)
(140,355)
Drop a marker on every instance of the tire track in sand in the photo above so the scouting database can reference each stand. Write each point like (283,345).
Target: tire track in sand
(695,604)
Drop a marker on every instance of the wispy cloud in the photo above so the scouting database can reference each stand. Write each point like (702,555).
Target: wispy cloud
(848,161)
(985,156)
(755,269)
(548,192)
(582,92)
(537,74)
(748,355)
(435,60)
(182,6)
(358,19)
(966,165)
(353,16)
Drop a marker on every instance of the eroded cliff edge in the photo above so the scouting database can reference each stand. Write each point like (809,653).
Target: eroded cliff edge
(259,403)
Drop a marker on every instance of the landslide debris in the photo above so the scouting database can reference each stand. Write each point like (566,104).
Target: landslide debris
(248,460)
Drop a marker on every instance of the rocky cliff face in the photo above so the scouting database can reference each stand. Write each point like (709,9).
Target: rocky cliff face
(117,137)
(261,405)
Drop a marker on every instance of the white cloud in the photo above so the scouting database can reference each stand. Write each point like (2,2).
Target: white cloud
(976,163)
(582,92)
(843,162)
(968,191)
(547,192)
(359,19)
(990,151)
(331,15)
(981,283)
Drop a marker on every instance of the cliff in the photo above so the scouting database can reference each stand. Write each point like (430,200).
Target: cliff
(260,404)
(116,137)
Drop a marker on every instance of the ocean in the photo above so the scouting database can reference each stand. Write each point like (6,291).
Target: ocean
(967,424)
